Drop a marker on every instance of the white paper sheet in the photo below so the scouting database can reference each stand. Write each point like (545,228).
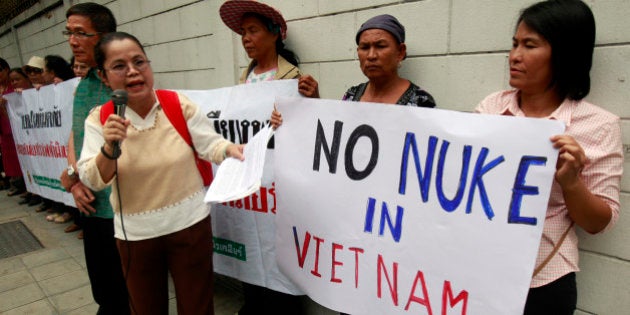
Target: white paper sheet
(236,179)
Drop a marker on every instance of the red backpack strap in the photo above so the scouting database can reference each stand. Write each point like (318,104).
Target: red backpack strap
(106,110)
(173,111)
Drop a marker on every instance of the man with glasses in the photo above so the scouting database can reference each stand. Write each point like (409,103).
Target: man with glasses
(85,23)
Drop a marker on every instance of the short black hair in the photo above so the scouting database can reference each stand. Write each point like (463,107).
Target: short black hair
(569,27)
(20,71)
(4,64)
(59,66)
(101,46)
(102,18)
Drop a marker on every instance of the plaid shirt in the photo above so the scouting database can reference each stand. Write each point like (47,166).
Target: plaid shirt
(599,134)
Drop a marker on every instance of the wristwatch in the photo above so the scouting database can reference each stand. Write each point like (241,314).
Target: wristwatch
(72,173)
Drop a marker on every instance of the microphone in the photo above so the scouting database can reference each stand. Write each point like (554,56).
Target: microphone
(119,98)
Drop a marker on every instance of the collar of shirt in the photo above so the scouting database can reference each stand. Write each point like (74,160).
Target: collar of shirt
(92,74)
(143,123)
(563,113)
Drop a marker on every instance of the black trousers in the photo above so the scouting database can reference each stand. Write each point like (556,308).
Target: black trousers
(556,298)
(103,266)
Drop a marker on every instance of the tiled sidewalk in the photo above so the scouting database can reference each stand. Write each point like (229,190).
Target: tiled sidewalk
(53,280)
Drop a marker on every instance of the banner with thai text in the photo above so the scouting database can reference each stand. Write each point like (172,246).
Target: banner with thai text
(387,209)
(244,229)
(41,121)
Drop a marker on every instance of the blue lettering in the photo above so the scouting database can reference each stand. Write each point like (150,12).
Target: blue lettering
(477,181)
(521,189)
(451,205)
(396,229)
(369,216)
(423,179)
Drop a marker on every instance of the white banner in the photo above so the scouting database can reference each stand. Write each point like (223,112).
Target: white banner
(388,209)
(244,230)
(41,121)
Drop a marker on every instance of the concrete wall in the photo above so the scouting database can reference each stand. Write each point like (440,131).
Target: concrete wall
(457,51)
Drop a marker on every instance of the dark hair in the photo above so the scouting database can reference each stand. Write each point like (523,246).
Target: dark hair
(4,64)
(59,66)
(569,27)
(101,17)
(20,72)
(101,46)
(287,54)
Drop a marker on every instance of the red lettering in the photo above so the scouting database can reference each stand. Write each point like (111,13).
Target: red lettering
(246,202)
(272,192)
(307,240)
(393,289)
(315,270)
(447,295)
(335,247)
(263,201)
(422,301)
(356,251)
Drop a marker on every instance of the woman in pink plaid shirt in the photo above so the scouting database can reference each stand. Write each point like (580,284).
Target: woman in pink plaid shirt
(550,61)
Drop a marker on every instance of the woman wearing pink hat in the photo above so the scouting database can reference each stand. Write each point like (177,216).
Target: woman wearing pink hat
(263,30)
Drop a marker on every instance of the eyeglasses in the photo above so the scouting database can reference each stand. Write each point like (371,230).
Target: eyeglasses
(121,69)
(78,34)
(32,70)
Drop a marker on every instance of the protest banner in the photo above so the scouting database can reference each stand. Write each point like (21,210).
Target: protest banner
(244,229)
(41,121)
(388,209)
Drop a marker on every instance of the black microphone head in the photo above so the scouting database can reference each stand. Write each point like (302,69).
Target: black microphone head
(119,97)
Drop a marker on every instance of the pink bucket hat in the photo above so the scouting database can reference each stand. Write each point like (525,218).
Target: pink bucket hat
(232,12)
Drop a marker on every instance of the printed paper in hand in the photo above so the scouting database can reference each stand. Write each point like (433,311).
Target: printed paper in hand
(236,179)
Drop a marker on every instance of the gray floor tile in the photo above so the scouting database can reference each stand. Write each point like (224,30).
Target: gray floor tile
(64,283)
(43,257)
(10,214)
(11,265)
(70,242)
(81,261)
(172,306)
(15,280)
(72,299)
(40,307)
(55,269)
(20,296)
(76,250)
(89,309)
